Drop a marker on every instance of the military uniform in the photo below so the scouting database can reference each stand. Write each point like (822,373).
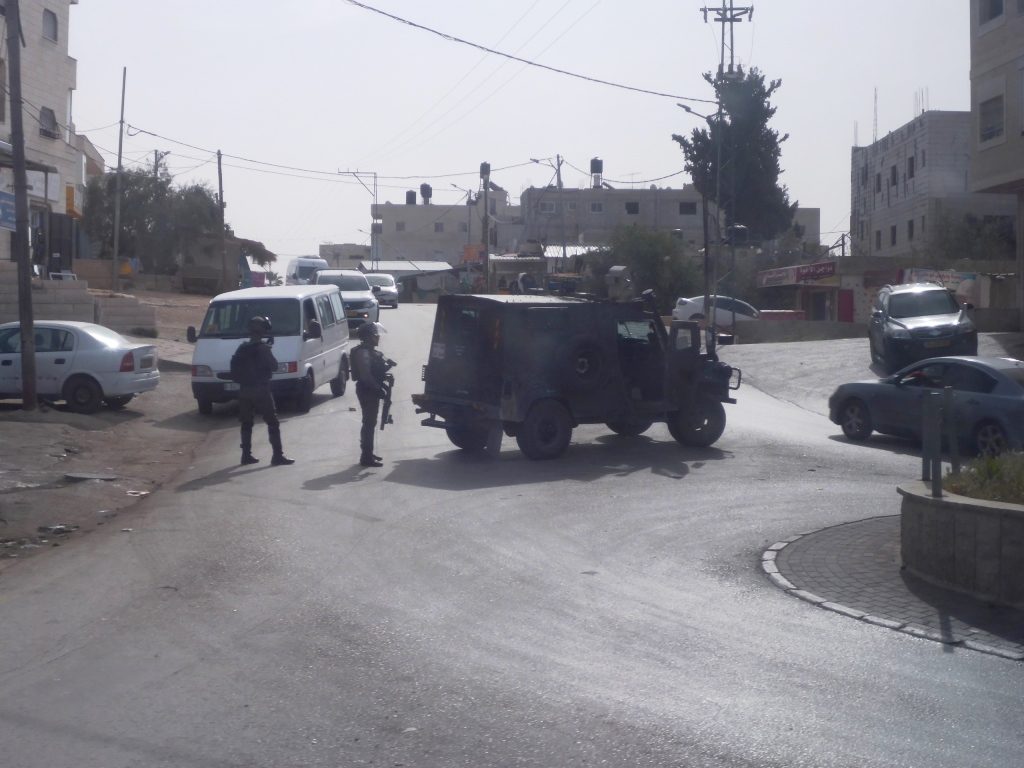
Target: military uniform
(252,367)
(368,369)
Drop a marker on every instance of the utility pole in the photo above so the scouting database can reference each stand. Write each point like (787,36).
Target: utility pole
(561,205)
(117,188)
(485,182)
(223,236)
(20,244)
(157,157)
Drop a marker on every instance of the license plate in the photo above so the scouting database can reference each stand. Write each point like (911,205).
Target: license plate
(231,387)
(934,344)
(354,313)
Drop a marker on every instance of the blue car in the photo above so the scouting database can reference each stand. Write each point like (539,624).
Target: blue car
(988,402)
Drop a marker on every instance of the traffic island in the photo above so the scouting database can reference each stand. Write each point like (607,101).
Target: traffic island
(968,545)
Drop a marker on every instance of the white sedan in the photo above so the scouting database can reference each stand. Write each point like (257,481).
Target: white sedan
(693,309)
(82,363)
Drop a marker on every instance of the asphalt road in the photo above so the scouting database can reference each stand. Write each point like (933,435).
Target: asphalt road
(607,608)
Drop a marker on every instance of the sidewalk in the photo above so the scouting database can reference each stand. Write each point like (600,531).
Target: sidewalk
(854,570)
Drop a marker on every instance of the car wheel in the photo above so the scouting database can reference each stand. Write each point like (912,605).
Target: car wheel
(855,419)
(989,439)
(699,424)
(340,382)
(468,437)
(83,394)
(304,395)
(546,431)
(118,402)
(629,428)
(205,406)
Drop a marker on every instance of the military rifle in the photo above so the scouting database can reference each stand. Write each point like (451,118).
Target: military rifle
(389,383)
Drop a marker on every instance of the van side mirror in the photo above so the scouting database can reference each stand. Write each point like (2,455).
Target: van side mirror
(375,289)
(190,334)
(313,331)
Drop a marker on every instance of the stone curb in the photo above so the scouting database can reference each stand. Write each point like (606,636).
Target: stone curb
(772,571)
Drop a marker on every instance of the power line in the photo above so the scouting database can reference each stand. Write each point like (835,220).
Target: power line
(454,39)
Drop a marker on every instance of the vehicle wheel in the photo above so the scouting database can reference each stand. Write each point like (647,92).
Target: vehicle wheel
(83,394)
(118,402)
(546,431)
(340,382)
(855,419)
(629,428)
(989,439)
(472,438)
(205,406)
(700,424)
(304,395)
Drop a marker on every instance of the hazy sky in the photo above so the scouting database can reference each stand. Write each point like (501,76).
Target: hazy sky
(306,89)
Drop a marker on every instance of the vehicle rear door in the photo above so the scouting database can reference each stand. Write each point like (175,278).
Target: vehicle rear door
(465,360)
(55,352)
(10,361)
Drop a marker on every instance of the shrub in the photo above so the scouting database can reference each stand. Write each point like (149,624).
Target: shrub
(992,478)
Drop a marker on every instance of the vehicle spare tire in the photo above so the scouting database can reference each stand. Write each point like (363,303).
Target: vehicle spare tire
(587,364)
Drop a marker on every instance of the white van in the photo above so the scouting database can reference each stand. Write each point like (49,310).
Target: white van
(309,335)
(302,269)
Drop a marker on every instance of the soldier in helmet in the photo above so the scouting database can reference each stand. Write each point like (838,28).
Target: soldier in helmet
(368,369)
(252,366)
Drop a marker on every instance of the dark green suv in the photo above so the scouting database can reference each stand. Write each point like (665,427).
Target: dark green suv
(533,367)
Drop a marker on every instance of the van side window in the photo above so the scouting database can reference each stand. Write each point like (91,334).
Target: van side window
(327,318)
(336,305)
(308,313)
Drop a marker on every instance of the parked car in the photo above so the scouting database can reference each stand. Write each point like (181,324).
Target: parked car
(384,288)
(83,364)
(725,306)
(988,402)
(913,321)
(361,305)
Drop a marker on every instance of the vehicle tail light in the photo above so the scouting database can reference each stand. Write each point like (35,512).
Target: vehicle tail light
(289,367)
(127,363)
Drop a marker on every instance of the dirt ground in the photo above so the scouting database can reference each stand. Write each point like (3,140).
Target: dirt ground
(131,452)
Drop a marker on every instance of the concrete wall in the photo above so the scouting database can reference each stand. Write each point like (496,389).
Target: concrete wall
(968,545)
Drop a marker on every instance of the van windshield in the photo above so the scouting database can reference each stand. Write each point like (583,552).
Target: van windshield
(306,273)
(230,319)
(344,282)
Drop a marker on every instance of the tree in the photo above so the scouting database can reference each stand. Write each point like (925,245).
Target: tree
(655,260)
(749,171)
(158,221)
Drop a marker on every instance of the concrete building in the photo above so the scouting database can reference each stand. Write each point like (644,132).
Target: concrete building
(429,232)
(996,131)
(907,186)
(590,216)
(57,168)
(344,255)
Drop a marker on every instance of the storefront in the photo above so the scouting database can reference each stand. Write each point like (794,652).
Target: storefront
(817,290)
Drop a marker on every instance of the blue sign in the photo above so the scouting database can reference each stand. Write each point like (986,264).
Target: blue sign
(7,218)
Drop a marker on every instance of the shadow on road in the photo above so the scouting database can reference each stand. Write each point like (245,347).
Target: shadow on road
(606,456)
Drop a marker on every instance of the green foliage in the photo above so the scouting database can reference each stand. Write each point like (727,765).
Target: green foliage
(739,151)
(972,238)
(992,478)
(655,260)
(158,220)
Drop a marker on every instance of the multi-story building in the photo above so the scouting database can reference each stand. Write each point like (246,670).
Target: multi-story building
(56,170)
(429,232)
(996,144)
(907,185)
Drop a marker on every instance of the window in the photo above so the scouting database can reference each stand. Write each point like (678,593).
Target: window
(893,176)
(892,235)
(687,209)
(597,207)
(571,206)
(988,10)
(910,167)
(463,227)
(878,182)
(50,25)
(48,123)
(438,226)
(399,226)
(878,239)
(910,230)
(547,206)
(990,119)
(327,318)
(632,208)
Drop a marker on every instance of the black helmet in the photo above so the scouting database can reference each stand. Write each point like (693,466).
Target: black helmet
(368,331)
(259,325)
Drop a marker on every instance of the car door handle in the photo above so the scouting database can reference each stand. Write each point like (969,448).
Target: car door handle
(6,362)
(60,361)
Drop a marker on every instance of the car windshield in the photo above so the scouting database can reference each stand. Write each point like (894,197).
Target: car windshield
(385,281)
(922,303)
(345,282)
(230,319)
